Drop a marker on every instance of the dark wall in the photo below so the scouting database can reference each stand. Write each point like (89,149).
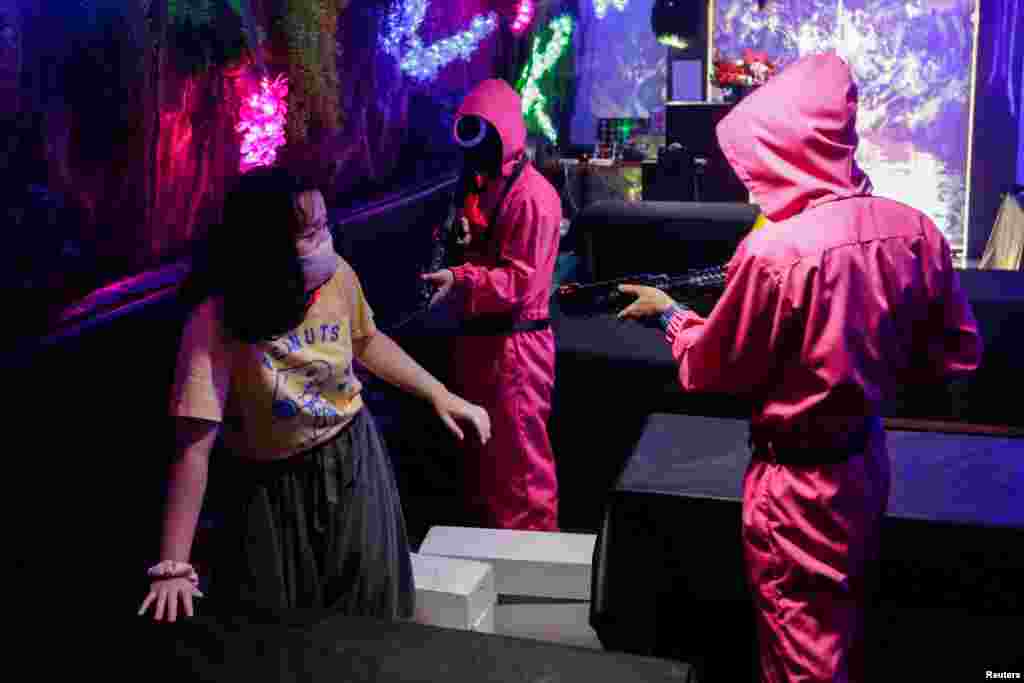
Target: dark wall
(388,246)
(389,243)
(88,487)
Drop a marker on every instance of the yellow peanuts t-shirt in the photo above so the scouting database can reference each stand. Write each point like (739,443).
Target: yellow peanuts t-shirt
(280,397)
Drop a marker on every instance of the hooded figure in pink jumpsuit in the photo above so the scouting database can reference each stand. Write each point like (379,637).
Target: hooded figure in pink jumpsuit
(503,289)
(840,298)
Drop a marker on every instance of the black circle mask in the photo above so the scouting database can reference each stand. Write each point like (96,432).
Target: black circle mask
(480,143)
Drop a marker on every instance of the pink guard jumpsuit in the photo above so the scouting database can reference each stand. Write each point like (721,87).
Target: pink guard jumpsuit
(511,482)
(842,296)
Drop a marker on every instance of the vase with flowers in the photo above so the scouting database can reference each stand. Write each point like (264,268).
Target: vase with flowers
(738,77)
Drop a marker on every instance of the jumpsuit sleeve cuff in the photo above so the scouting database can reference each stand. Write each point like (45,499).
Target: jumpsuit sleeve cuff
(672,321)
(458,274)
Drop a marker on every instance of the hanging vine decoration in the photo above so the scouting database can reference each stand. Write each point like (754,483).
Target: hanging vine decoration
(310,28)
(329,61)
(297,28)
(205,33)
(255,36)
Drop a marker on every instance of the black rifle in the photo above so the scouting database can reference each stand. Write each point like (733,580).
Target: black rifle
(447,251)
(693,288)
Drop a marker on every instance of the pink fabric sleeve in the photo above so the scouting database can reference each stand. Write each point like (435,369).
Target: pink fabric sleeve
(203,371)
(733,351)
(955,347)
(511,283)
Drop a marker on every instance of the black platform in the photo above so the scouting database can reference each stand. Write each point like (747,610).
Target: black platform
(619,238)
(314,647)
(668,572)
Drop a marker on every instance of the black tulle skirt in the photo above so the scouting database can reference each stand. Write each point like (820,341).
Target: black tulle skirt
(322,529)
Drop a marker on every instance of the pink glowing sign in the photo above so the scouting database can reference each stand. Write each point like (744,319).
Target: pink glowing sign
(523,16)
(262,122)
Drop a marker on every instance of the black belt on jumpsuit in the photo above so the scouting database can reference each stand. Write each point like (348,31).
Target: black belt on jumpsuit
(497,325)
(814,446)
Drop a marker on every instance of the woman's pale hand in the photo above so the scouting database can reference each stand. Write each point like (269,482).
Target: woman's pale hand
(164,596)
(452,409)
(443,280)
(650,301)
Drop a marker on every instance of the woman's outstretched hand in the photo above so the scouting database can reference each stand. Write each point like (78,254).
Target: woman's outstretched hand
(452,409)
(166,594)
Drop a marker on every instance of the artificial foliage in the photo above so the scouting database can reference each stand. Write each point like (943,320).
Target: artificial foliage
(310,28)
(199,10)
(205,34)
(539,79)
(330,108)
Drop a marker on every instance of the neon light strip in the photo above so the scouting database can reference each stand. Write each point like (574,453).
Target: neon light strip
(422,62)
(400,39)
(539,65)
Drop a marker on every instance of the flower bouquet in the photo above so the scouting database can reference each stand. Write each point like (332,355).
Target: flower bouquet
(738,77)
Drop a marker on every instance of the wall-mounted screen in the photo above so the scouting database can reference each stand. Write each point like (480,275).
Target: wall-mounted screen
(912,60)
(621,69)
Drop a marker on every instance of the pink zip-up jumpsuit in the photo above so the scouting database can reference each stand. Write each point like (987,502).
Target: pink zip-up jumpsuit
(511,481)
(838,299)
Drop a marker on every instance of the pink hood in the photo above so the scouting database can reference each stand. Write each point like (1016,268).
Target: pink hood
(792,141)
(496,102)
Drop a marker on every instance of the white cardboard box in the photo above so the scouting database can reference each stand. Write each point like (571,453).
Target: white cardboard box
(454,593)
(526,563)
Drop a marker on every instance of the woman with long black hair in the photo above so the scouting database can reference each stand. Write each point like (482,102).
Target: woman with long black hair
(313,518)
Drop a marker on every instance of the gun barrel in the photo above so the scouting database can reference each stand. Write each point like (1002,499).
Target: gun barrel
(605,295)
(642,279)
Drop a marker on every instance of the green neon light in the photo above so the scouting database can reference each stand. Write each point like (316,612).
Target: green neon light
(540,65)
(672,40)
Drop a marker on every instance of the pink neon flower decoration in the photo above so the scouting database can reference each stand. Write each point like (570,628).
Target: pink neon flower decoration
(524,14)
(261,123)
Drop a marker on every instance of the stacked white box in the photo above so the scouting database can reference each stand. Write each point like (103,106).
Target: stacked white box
(454,593)
(526,563)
